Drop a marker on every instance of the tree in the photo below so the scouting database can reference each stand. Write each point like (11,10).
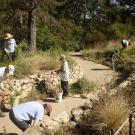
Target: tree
(81,11)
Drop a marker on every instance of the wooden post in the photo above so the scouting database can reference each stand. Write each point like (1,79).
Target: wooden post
(130,124)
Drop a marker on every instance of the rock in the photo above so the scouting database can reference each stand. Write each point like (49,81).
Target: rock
(50,124)
(77,118)
(112,92)
(88,105)
(62,118)
(123,84)
(77,112)
(86,112)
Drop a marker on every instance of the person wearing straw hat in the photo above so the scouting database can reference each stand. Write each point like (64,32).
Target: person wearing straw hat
(5,73)
(29,114)
(64,75)
(10,47)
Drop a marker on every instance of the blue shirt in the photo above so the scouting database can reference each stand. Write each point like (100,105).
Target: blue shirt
(29,111)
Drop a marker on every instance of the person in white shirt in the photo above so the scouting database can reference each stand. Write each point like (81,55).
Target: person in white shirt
(64,75)
(125,43)
(5,73)
(10,47)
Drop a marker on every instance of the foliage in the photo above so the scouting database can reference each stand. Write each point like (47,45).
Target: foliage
(119,30)
(91,39)
(93,55)
(82,86)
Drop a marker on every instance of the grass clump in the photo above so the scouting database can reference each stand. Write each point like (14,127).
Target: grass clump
(107,115)
(82,86)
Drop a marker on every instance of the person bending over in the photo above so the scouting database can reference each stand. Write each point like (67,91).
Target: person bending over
(29,114)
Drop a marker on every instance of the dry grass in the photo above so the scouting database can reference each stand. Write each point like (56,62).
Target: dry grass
(107,115)
(28,64)
(113,112)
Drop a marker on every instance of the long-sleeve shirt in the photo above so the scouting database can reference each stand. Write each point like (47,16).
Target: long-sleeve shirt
(29,111)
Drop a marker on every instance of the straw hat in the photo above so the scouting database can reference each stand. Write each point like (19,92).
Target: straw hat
(8,35)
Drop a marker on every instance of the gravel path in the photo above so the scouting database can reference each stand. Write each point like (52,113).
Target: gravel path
(96,73)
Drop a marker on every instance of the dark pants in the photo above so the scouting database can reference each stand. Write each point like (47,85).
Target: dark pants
(23,125)
(64,86)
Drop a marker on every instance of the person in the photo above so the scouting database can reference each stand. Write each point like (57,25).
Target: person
(64,75)
(113,57)
(125,43)
(29,114)
(5,73)
(10,47)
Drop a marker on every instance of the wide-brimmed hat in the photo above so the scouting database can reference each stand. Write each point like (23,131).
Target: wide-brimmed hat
(11,69)
(8,35)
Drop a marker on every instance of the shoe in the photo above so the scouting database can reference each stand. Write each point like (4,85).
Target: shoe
(2,114)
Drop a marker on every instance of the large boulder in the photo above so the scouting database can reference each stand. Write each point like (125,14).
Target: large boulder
(77,114)
(62,118)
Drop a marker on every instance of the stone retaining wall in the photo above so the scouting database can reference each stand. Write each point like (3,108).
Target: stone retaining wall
(49,81)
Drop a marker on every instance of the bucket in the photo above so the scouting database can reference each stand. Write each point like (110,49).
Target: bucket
(15,101)
(58,97)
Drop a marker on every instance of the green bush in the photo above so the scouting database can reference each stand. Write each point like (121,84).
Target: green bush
(91,40)
(118,30)
(46,40)
(82,86)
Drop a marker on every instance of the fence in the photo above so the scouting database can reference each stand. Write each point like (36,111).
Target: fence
(128,120)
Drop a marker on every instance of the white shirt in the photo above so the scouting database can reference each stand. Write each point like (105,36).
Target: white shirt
(2,70)
(125,42)
(10,45)
(64,71)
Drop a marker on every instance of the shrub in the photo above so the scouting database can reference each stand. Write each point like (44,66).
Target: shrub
(118,30)
(93,55)
(82,86)
(107,115)
(92,39)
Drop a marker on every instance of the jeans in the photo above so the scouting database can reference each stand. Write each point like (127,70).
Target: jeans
(64,86)
(23,125)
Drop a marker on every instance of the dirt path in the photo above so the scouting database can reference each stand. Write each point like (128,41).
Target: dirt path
(96,73)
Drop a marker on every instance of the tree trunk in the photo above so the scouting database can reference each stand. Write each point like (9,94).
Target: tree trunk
(32,29)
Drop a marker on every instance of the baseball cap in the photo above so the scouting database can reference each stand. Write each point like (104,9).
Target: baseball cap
(48,108)
(11,69)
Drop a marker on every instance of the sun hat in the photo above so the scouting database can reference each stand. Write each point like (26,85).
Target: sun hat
(11,69)
(48,108)
(8,35)
(62,56)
